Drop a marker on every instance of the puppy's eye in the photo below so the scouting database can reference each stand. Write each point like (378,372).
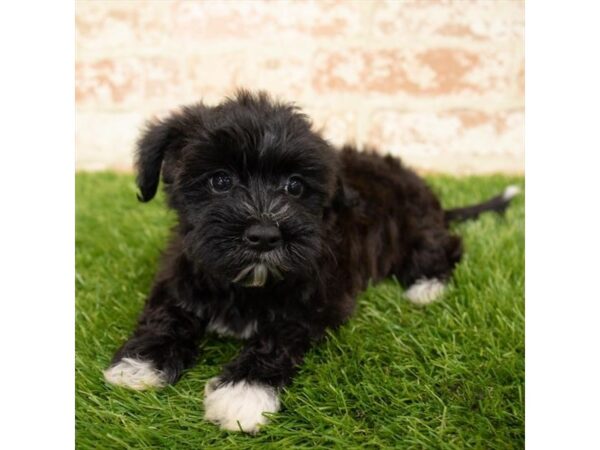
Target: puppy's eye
(221,182)
(294,186)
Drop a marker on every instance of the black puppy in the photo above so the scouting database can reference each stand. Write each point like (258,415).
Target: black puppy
(277,233)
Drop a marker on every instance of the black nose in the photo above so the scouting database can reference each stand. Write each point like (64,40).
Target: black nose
(263,237)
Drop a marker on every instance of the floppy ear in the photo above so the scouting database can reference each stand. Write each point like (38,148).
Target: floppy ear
(345,196)
(158,139)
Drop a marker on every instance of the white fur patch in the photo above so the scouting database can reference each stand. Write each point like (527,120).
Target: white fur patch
(510,192)
(216,326)
(239,406)
(253,276)
(425,291)
(134,374)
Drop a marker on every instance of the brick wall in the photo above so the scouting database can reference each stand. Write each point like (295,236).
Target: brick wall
(440,83)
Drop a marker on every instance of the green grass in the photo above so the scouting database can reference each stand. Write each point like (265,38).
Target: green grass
(448,376)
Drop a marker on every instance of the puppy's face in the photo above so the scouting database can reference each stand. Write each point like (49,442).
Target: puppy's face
(251,183)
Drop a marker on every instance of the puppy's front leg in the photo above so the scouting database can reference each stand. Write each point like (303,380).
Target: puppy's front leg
(249,385)
(164,344)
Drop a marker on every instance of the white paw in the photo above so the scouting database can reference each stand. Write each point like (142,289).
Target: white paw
(510,192)
(425,291)
(134,374)
(235,406)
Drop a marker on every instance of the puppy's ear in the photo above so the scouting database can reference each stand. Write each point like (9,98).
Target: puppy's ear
(345,196)
(157,139)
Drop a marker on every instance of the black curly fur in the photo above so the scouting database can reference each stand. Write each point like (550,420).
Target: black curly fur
(361,217)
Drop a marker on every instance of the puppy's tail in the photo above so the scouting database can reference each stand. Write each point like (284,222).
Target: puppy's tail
(497,204)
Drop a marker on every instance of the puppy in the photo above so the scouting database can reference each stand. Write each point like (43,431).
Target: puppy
(277,233)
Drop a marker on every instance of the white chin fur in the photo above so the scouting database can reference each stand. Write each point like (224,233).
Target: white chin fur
(134,374)
(253,276)
(239,406)
(425,291)
(510,192)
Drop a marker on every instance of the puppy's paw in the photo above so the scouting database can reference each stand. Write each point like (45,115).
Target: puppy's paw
(134,374)
(425,291)
(239,406)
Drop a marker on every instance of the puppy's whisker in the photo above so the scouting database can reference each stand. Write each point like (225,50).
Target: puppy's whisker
(275,260)
(280,214)
(248,207)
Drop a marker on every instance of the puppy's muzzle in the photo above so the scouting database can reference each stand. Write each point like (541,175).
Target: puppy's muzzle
(263,237)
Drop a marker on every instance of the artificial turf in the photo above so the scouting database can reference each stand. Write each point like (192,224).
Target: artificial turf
(449,376)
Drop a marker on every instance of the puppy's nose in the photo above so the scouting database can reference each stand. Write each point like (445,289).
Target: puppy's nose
(263,237)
